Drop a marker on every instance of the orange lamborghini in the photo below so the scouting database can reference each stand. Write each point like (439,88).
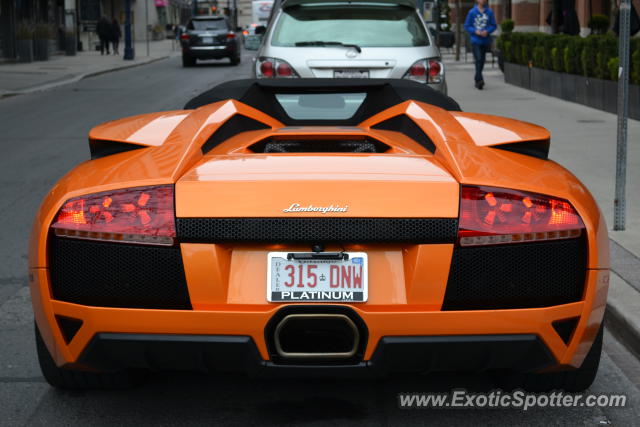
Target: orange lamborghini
(315,227)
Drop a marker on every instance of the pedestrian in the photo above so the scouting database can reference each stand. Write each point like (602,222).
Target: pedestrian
(480,23)
(104,33)
(115,35)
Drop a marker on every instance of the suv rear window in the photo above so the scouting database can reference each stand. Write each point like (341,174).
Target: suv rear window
(207,24)
(365,26)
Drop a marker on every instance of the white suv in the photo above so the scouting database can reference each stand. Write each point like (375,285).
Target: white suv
(343,39)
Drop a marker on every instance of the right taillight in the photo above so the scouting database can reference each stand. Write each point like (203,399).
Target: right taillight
(134,215)
(426,71)
(273,67)
(490,216)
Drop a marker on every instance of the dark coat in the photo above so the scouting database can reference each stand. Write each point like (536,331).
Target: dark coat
(103,28)
(115,32)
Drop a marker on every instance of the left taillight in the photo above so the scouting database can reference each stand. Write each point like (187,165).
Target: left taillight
(143,215)
(490,216)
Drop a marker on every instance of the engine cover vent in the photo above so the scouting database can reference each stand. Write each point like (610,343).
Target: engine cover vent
(319,146)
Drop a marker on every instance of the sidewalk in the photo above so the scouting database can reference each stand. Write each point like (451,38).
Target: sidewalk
(584,141)
(16,78)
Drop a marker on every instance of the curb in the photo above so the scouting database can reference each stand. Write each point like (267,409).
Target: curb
(622,328)
(77,78)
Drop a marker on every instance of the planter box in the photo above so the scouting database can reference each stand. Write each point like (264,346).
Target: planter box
(538,79)
(25,50)
(634,102)
(517,75)
(595,93)
(71,45)
(41,49)
(610,96)
(581,90)
(555,84)
(568,86)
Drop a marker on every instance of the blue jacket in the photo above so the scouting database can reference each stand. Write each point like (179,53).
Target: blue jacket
(477,20)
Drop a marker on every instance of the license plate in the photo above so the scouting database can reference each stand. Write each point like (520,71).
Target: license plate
(317,277)
(207,40)
(351,74)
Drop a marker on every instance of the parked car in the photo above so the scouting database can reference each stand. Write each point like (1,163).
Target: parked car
(349,39)
(209,37)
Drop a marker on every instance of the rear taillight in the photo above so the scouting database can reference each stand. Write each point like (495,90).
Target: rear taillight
(231,36)
(184,36)
(266,69)
(426,71)
(274,67)
(135,215)
(490,216)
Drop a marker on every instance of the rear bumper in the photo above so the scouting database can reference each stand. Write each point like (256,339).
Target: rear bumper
(393,355)
(209,52)
(395,331)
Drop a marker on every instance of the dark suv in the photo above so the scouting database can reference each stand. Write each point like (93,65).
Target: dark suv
(209,37)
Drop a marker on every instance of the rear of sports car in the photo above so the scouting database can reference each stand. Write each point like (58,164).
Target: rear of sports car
(282,250)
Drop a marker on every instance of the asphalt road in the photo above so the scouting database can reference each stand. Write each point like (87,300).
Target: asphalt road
(42,136)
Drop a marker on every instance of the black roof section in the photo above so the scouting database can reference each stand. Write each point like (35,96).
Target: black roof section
(381,95)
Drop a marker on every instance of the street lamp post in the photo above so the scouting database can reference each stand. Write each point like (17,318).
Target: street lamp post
(129,53)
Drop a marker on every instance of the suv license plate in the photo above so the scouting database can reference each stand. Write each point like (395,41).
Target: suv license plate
(351,74)
(317,277)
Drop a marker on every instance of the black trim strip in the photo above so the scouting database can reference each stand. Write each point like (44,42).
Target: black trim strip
(103,148)
(405,125)
(537,149)
(318,230)
(233,126)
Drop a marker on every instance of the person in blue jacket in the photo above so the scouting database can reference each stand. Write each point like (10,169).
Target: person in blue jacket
(480,23)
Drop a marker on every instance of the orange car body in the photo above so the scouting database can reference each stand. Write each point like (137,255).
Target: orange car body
(407,282)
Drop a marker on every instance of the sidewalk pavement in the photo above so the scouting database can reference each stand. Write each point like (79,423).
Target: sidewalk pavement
(584,141)
(18,78)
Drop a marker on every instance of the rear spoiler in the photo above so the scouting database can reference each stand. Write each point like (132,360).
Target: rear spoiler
(381,94)
(131,133)
(506,134)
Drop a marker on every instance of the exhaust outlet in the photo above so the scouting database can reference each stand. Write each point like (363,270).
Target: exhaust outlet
(316,336)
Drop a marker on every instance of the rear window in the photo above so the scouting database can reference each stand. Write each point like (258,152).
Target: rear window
(207,24)
(365,26)
(321,106)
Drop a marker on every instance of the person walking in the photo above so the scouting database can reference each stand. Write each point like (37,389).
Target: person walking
(480,23)
(104,33)
(115,35)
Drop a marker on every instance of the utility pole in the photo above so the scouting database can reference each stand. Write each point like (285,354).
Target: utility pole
(129,53)
(619,204)
(458,29)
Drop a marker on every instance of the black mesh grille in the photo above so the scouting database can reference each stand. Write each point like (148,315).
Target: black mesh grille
(516,276)
(317,230)
(117,275)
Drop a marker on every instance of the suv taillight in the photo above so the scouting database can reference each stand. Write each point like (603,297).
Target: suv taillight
(490,216)
(274,67)
(142,215)
(426,71)
(184,36)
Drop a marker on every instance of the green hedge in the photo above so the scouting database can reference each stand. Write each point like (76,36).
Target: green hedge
(592,56)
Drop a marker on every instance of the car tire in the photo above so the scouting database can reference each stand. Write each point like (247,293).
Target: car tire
(573,381)
(235,60)
(76,379)
(188,61)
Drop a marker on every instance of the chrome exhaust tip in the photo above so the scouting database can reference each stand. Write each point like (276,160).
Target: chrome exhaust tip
(316,336)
